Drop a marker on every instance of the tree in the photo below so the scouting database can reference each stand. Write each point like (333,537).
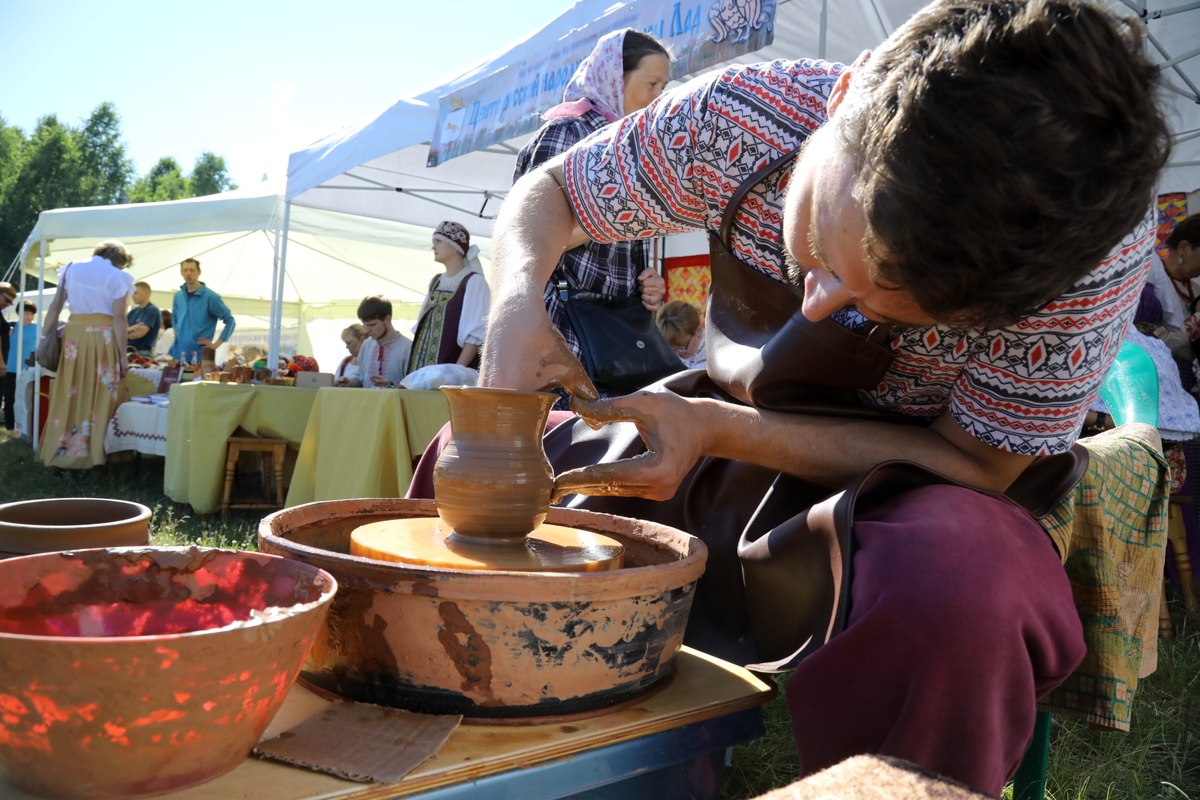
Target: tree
(51,177)
(12,155)
(164,181)
(106,171)
(209,175)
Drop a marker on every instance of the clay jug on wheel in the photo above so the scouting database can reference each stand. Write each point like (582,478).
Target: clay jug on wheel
(493,480)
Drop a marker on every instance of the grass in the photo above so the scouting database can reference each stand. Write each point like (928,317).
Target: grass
(1158,760)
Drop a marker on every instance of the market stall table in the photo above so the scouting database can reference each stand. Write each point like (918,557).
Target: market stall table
(362,443)
(139,426)
(203,415)
(644,749)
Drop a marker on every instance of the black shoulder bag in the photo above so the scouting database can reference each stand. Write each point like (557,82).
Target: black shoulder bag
(623,350)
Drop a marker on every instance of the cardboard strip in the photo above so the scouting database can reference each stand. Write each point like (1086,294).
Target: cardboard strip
(361,742)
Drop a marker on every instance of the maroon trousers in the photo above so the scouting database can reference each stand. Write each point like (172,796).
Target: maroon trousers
(961,616)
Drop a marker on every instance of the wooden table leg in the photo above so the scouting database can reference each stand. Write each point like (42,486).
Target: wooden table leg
(277,458)
(1177,536)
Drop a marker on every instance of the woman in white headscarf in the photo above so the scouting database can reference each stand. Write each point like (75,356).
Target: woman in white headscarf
(453,317)
(625,72)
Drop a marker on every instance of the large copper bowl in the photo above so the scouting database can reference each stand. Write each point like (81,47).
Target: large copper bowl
(488,643)
(136,671)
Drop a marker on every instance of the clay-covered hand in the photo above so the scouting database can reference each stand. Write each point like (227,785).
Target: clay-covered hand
(654,289)
(533,357)
(674,442)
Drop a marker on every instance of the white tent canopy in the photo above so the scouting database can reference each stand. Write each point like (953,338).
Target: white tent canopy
(379,169)
(334,259)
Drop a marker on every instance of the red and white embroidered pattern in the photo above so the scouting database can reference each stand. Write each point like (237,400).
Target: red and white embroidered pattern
(1025,388)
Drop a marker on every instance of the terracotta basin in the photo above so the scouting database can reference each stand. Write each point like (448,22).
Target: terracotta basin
(137,671)
(487,643)
(73,523)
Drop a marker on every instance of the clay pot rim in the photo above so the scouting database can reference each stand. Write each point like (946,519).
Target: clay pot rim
(297,609)
(494,390)
(674,573)
(143,513)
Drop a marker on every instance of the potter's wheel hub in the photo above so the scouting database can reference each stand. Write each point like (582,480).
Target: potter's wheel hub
(427,541)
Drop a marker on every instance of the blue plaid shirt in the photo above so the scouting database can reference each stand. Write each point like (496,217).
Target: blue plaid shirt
(608,269)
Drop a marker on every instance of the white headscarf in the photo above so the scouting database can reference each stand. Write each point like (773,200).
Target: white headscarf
(598,82)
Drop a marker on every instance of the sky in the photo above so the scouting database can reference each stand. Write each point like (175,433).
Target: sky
(252,80)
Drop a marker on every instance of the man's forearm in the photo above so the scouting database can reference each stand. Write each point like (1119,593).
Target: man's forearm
(830,451)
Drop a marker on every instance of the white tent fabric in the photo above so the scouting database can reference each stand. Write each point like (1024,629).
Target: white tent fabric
(334,259)
(378,169)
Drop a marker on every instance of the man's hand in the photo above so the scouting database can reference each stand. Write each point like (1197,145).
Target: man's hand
(674,442)
(200,340)
(138,330)
(654,289)
(534,356)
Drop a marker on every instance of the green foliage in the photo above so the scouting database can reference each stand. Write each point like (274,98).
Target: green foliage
(59,166)
(210,176)
(164,181)
(106,171)
(49,177)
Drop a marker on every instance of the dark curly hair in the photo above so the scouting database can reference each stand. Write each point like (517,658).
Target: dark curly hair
(1003,149)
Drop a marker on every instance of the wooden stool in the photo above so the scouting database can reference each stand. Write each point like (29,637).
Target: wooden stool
(273,452)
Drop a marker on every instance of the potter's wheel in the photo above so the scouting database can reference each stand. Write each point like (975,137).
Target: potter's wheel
(427,541)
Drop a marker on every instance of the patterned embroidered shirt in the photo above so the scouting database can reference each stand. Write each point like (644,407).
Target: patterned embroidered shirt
(1024,388)
(609,269)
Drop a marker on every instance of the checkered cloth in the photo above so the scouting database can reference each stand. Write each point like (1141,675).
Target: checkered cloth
(1111,532)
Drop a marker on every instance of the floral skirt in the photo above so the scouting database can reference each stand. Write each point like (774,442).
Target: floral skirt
(85,395)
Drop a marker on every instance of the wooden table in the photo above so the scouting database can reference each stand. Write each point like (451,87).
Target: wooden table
(636,751)
(362,442)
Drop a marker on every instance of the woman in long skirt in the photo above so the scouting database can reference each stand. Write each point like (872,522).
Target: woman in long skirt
(90,379)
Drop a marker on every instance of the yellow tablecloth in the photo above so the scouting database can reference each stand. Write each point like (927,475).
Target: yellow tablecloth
(362,442)
(203,415)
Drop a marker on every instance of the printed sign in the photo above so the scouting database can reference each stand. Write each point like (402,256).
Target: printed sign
(510,101)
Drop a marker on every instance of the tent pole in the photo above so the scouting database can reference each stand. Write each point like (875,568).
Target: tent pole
(822,28)
(281,239)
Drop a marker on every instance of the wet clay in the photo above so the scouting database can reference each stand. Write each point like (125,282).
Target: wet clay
(493,479)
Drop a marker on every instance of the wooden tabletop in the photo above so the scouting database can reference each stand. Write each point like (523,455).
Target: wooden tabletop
(703,688)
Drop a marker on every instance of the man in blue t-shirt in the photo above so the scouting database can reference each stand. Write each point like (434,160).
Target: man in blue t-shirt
(144,321)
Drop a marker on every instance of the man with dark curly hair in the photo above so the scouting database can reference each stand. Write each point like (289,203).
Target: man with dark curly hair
(968,221)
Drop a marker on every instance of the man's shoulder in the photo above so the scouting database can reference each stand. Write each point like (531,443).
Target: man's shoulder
(782,77)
